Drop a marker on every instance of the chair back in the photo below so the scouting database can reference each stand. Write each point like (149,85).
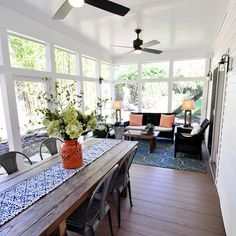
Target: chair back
(8,161)
(103,190)
(123,169)
(204,125)
(51,144)
(129,159)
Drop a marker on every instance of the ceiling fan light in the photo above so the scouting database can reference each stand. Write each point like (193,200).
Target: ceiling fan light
(76,3)
(137,51)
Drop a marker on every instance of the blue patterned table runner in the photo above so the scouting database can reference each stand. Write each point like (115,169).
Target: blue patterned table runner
(22,195)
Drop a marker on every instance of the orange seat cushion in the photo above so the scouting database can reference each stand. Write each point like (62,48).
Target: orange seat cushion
(135,120)
(167,120)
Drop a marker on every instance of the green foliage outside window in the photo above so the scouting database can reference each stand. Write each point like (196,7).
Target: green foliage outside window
(105,70)
(159,70)
(26,54)
(189,68)
(65,62)
(88,67)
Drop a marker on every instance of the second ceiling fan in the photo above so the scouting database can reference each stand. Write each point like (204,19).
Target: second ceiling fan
(139,46)
(105,5)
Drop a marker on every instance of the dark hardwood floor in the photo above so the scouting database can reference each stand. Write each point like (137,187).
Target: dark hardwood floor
(168,203)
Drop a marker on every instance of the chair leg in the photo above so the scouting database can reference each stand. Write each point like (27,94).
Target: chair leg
(130,197)
(88,231)
(110,222)
(117,203)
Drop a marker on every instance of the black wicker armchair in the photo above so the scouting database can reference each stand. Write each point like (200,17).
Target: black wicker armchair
(185,142)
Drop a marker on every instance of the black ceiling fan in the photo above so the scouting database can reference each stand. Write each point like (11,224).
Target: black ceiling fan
(105,5)
(139,46)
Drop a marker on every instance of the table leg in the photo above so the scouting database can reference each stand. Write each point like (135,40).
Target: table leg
(152,145)
(62,229)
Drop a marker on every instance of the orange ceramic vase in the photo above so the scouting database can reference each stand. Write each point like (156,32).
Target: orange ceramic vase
(71,154)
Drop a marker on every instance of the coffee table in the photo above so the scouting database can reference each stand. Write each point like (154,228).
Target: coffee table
(138,134)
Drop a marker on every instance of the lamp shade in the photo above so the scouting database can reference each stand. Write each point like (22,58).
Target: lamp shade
(188,105)
(117,105)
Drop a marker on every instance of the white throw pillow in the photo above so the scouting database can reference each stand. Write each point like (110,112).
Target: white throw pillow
(196,130)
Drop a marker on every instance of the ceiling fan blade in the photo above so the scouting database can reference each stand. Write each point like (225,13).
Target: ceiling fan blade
(120,46)
(150,43)
(152,50)
(129,52)
(62,11)
(109,6)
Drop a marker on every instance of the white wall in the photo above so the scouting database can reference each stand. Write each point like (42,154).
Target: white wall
(226,170)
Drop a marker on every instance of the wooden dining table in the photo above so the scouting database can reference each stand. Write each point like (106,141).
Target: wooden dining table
(50,212)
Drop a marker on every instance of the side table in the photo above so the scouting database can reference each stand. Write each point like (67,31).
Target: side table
(119,129)
(182,129)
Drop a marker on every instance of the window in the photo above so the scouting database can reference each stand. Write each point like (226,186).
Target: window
(88,67)
(29,99)
(155,70)
(3,131)
(189,68)
(155,97)
(128,94)
(65,62)
(66,93)
(26,54)
(90,96)
(105,70)
(126,72)
(106,94)
(187,90)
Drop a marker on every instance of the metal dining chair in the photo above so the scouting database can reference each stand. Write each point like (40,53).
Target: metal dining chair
(84,220)
(51,144)
(121,180)
(8,161)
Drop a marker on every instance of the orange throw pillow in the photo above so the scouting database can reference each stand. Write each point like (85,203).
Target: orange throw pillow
(167,120)
(135,120)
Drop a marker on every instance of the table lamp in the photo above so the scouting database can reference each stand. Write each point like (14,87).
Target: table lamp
(117,105)
(188,106)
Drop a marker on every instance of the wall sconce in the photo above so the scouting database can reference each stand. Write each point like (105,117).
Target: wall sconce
(225,59)
(117,105)
(188,106)
(100,80)
(209,74)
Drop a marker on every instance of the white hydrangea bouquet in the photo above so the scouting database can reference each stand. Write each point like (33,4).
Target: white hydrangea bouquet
(68,123)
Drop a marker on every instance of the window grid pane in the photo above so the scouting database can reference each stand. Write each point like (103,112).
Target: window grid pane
(126,72)
(105,70)
(65,62)
(189,68)
(26,54)
(187,90)
(88,67)
(66,93)
(155,70)
(128,94)
(90,97)
(155,97)
(29,98)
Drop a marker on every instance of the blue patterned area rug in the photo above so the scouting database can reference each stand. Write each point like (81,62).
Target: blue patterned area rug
(163,156)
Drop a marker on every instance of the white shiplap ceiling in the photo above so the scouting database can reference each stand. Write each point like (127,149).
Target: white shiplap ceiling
(177,24)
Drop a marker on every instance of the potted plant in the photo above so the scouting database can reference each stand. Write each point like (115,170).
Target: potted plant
(149,128)
(69,124)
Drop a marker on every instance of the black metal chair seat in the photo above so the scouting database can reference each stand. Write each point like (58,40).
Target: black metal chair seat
(93,217)
(85,218)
